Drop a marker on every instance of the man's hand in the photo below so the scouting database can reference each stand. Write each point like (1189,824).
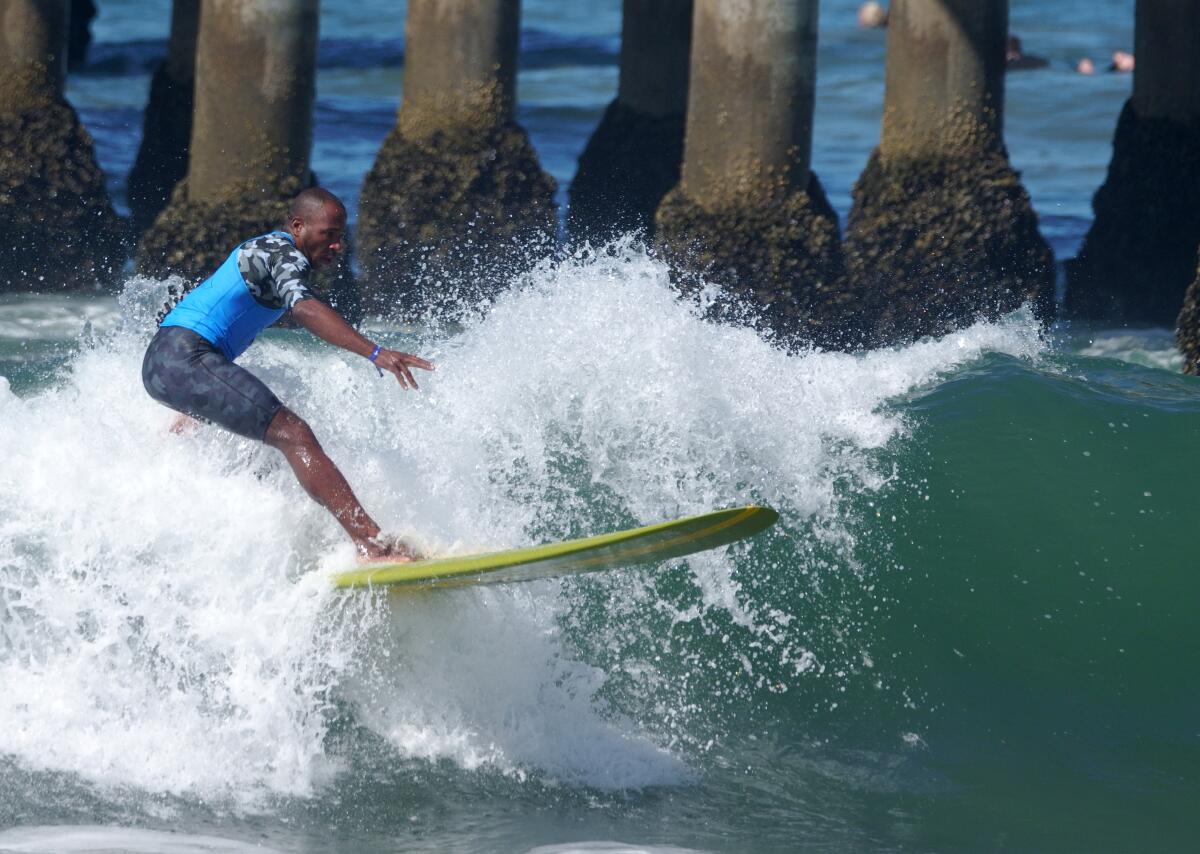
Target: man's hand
(399,363)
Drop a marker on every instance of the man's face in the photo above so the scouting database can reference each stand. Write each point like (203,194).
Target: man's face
(320,237)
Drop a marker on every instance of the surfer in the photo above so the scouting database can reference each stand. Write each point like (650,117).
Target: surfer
(189,365)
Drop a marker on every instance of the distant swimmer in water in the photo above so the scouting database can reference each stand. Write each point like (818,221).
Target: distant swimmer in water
(872,15)
(189,366)
(1122,62)
(1017,60)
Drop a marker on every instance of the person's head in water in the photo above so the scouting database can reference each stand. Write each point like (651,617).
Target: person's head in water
(872,14)
(1122,60)
(317,220)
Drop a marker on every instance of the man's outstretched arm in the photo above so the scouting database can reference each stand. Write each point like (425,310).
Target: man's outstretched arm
(328,325)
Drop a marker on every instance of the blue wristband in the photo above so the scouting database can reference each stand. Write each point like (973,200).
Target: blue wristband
(373,356)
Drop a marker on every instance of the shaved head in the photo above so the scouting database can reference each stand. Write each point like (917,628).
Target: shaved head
(317,222)
(312,202)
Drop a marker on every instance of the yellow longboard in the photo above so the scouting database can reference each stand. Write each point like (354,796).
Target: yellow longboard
(650,544)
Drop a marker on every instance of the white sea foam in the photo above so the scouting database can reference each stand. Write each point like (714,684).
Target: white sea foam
(86,839)
(1151,347)
(46,317)
(607,847)
(166,621)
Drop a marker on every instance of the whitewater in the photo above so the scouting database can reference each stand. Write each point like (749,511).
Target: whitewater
(185,580)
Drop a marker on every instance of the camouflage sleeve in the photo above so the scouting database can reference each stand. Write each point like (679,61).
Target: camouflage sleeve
(275,271)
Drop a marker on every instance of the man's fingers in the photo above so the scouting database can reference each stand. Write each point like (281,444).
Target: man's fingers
(399,363)
(416,362)
(404,375)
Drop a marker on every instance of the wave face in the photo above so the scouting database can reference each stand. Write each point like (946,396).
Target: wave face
(970,621)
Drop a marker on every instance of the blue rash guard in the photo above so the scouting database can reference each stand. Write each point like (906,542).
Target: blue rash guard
(260,280)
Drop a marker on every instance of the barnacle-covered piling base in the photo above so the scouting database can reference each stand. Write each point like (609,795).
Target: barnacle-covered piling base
(775,255)
(1140,254)
(1187,327)
(452,218)
(935,243)
(630,163)
(162,158)
(58,230)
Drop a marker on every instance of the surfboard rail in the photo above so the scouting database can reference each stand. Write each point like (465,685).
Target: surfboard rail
(647,544)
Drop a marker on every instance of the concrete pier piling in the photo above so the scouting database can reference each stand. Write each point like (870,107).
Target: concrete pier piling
(941,231)
(251,134)
(57,226)
(456,201)
(1140,254)
(748,213)
(633,158)
(79,32)
(162,158)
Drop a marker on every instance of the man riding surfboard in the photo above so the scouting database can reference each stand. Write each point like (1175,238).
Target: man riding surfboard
(189,365)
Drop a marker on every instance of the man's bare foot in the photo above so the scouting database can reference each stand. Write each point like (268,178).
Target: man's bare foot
(184,425)
(385,548)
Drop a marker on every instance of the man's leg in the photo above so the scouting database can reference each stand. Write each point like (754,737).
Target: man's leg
(323,481)
(186,372)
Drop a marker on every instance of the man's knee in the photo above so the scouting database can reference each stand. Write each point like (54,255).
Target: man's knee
(287,429)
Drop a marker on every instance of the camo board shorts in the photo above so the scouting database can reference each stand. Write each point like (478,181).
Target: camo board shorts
(184,371)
